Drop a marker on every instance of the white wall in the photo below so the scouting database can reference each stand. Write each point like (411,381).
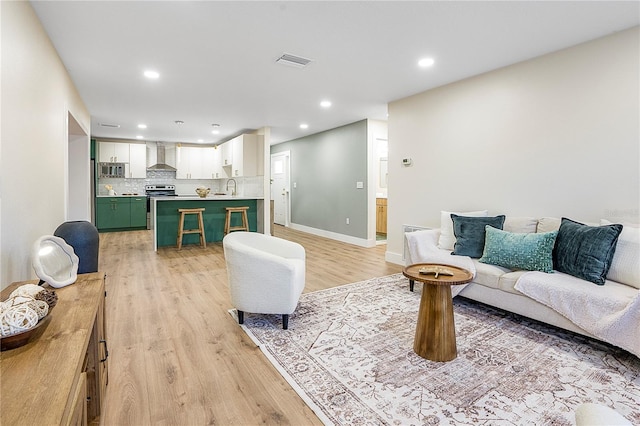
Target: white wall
(554,136)
(37,96)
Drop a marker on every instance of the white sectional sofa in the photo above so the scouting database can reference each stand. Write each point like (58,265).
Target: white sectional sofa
(609,312)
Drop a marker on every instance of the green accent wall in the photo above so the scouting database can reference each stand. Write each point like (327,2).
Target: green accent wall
(167,218)
(325,167)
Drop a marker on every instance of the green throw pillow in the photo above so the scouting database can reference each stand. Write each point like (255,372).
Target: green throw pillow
(469,232)
(530,252)
(585,251)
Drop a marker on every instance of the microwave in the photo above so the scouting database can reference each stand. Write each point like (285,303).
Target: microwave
(111,170)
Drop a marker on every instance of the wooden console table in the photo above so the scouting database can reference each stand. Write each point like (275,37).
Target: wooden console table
(60,376)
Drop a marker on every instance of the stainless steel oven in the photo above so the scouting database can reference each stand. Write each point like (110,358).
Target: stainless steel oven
(157,191)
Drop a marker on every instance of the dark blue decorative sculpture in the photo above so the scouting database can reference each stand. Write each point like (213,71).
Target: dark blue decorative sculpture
(85,240)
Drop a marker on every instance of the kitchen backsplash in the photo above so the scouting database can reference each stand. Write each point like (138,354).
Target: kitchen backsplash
(247,186)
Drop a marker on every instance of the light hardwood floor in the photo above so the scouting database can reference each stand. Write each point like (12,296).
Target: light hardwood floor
(177,357)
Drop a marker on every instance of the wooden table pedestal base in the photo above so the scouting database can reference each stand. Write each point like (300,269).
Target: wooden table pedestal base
(435,337)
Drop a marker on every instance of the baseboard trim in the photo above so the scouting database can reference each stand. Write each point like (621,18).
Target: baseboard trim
(361,242)
(392,257)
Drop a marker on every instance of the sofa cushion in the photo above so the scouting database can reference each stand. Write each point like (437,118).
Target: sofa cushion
(531,252)
(520,224)
(488,275)
(585,251)
(508,281)
(470,233)
(625,265)
(447,239)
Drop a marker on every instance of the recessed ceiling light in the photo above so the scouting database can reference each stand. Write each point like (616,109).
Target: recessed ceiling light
(215,132)
(142,126)
(304,126)
(426,62)
(139,137)
(325,104)
(215,125)
(179,122)
(200,140)
(151,74)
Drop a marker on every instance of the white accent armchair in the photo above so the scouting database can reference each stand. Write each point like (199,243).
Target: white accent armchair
(590,414)
(266,274)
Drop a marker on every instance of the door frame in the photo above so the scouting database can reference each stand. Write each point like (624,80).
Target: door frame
(78,195)
(287,171)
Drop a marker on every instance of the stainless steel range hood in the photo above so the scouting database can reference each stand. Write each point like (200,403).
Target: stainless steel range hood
(157,158)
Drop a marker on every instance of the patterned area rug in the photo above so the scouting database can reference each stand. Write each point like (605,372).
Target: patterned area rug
(349,354)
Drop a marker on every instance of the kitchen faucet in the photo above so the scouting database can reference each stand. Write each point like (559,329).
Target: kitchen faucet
(235,186)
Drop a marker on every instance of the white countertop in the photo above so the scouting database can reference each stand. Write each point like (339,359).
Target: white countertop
(208,198)
(119,195)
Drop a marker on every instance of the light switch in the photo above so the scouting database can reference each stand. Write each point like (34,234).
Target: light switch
(359,185)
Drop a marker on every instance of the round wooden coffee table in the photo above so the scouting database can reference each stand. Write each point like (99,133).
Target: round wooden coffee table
(435,337)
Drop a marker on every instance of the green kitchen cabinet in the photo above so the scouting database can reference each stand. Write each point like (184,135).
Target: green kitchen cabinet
(113,213)
(139,212)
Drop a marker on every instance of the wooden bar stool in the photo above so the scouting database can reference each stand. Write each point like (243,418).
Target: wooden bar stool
(245,221)
(198,230)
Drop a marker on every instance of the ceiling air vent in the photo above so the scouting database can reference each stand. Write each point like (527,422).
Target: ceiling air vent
(293,60)
(115,126)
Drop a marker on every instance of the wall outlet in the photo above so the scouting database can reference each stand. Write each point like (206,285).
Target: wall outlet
(347,221)
(359,185)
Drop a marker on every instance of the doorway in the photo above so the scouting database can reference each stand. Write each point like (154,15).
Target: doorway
(79,199)
(382,177)
(280,187)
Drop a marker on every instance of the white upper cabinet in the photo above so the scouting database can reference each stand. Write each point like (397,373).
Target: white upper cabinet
(227,153)
(207,163)
(247,156)
(137,168)
(218,171)
(183,162)
(194,162)
(113,152)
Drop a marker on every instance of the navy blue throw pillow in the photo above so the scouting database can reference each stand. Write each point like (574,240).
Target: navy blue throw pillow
(470,233)
(585,251)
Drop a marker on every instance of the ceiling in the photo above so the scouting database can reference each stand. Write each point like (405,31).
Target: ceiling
(217,60)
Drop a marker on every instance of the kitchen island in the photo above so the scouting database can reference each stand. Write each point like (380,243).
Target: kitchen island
(164,217)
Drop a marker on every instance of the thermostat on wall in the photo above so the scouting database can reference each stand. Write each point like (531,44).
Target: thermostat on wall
(406,161)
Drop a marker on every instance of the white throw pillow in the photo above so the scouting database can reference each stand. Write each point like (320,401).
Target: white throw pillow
(520,225)
(447,238)
(548,224)
(625,224)
(625,266)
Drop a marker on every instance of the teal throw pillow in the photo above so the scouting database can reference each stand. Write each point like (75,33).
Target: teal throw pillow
(585,251)
(470,231)
(529,252)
